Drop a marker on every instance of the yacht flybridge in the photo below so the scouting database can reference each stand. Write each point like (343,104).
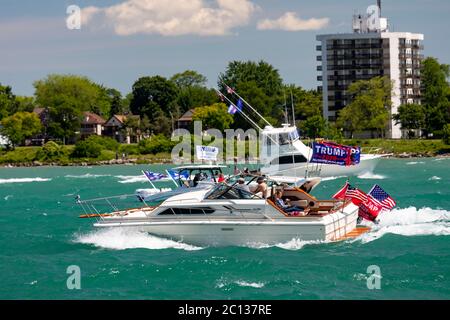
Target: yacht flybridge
(228,215)
(283,153)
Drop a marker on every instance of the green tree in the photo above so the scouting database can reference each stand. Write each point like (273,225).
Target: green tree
(26,104)
(155,144)
(307,103)
(446,133)
(8,102)
(368,110)
(192,91)
(87,149)
(51,151)
(435,90)
(411,117)
(259,84)
(118,105)
(55,90)
(215,116)
(66,97)
(151,93)
(314,127)
(189,78)
(20,126)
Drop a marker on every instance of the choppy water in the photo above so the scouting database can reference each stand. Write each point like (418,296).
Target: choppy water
(41,236)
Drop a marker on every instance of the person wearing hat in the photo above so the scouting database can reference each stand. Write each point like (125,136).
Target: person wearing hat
(261,188)
(243,189)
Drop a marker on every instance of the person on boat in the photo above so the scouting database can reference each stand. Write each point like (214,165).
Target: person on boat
(243,189)
(221,178)
(196,180)
(261,188)
(286,206)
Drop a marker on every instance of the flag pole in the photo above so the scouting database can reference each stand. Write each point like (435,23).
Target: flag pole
(231,102)
(148,179)
(171,178)
(248,104)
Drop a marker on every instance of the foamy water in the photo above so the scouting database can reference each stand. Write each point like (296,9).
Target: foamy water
(132,179)
(23,180)
(371,176)
(414,163)
(86,176)
(409,222)
(121,238)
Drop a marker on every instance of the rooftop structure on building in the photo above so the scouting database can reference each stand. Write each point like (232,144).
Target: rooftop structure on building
(369,51)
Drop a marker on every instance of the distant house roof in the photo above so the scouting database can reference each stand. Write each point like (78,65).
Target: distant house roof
(92,118)
(187,116)
(38,110)
(119,119)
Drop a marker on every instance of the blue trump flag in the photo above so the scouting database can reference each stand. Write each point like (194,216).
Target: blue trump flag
(331,153)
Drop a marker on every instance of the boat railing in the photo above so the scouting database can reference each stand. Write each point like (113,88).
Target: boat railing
(102,207)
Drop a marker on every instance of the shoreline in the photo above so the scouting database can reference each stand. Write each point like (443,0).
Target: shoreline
(135,161)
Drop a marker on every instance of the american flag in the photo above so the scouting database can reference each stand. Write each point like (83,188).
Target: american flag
(222,98)
(355,193)
(382,197)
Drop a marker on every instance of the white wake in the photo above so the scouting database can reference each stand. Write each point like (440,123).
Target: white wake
(121,238)
(371,176)
(23,180)
(86,176)
(409,222)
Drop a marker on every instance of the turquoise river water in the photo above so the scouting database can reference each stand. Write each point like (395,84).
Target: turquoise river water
(41,235)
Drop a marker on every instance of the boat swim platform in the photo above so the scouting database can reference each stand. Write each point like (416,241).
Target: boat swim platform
(355,233)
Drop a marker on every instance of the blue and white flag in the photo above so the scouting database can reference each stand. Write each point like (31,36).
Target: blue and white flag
(232,109)
(178,175)
(206,153)
(152,176)
(239,105)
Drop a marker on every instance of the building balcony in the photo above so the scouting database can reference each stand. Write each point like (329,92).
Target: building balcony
(318,48)
(319,58)
(319,68)
(319,78)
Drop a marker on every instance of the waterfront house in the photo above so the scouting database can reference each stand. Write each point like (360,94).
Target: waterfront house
(116,127)
(91,124)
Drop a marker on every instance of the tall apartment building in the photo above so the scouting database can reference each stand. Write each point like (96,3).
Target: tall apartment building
(371,50)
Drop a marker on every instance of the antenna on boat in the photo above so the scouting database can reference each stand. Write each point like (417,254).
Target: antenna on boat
(285,108)
(293,109)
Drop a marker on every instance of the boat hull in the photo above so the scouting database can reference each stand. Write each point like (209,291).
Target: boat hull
(237,233)
(367,164)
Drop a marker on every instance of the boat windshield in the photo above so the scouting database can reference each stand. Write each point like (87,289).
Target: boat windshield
(224,191)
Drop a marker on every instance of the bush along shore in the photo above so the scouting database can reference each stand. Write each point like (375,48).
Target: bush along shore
(157,150)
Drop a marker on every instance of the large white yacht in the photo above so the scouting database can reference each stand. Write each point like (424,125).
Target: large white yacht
(283,153)
(227,215)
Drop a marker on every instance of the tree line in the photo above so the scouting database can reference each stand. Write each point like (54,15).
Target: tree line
(160,101)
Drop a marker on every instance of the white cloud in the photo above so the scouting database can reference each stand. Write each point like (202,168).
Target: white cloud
(171,17)
(290,22)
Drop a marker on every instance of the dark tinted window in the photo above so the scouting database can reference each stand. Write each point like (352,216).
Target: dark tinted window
(187,211)
(290,159)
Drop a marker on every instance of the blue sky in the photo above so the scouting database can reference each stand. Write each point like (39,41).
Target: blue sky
(35,41)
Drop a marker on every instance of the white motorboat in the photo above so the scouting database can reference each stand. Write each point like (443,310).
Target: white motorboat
(186,178)
(226,215)
(284,154)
